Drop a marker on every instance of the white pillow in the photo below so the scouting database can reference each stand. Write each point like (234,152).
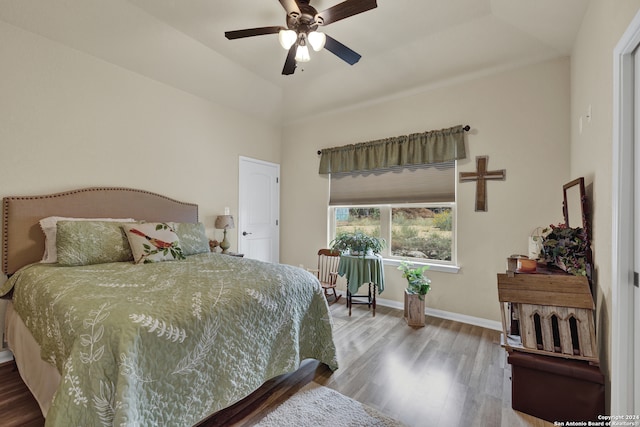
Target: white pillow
(49,226)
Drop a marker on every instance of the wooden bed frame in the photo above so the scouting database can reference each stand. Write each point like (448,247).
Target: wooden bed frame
(23,240)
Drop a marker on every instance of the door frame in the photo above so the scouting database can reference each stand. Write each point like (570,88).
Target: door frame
(241,208)
(622,220)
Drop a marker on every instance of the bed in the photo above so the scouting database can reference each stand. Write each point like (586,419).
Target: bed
(106,341)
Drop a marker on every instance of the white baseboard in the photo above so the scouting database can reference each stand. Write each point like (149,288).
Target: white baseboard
(457,317)
(6,356)
(463,318)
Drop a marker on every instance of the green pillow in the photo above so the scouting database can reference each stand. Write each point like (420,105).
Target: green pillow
(193,239)
(91,242)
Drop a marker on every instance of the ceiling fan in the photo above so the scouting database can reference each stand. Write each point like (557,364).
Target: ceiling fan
(301,32)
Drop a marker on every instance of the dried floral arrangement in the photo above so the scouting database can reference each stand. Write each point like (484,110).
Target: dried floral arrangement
(566,248)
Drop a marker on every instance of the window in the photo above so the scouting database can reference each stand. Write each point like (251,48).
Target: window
(421,231)
(413,209)
(424,232)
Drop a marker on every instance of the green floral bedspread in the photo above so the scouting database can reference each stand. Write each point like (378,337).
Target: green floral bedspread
(169,343)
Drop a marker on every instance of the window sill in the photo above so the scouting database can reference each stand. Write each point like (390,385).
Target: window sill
(443,268)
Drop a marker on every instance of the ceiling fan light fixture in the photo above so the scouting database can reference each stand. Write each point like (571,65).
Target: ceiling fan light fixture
(317,40)
(302,21)
(302,53)
(287,38)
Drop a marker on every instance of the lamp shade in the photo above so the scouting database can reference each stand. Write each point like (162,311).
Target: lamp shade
(316,40)
(224,222)
(302,54)
(287,38)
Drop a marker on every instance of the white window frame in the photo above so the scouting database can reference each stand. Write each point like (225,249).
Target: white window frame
(385,231)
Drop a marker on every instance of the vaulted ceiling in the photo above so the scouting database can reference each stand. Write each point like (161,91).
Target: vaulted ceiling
(405,45)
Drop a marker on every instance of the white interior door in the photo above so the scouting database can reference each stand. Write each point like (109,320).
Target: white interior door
(635,315)
(259,210)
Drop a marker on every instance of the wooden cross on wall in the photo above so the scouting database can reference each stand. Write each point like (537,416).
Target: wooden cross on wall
(480,177)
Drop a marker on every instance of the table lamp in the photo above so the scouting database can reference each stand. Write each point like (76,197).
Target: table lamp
(223,222)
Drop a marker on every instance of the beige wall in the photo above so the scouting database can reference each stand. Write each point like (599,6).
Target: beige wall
(591,150)
(519,118)
(70,120)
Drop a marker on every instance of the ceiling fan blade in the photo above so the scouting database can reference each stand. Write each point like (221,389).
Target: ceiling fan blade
(250,32)
(341,51)
(346,9)
(290,6)
(290,62)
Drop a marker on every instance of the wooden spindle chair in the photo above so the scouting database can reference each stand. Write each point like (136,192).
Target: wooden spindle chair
(327,272)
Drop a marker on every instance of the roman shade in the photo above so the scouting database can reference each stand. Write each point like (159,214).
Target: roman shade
(432,183)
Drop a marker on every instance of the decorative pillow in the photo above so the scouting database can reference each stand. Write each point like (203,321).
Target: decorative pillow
(193,239)
(91,242)
(48,226)
(153,242)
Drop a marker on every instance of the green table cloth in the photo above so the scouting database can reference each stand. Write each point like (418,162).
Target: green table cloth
(358,270)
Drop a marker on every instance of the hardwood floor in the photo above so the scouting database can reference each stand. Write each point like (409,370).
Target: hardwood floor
(444,374)
(17,406)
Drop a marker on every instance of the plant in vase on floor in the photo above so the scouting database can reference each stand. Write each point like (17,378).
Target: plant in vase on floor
(418,283)
(566,248)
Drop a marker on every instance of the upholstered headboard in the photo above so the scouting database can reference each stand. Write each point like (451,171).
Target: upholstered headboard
(23,240)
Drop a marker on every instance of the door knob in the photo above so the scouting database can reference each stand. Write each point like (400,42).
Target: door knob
(244,233)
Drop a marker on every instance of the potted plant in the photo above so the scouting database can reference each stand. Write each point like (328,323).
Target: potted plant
(357,243)
(418,285)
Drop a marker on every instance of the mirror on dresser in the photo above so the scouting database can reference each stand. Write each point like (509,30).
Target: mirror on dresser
(575,204)
(575,211)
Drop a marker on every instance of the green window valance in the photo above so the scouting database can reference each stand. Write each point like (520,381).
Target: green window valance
(416,149)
